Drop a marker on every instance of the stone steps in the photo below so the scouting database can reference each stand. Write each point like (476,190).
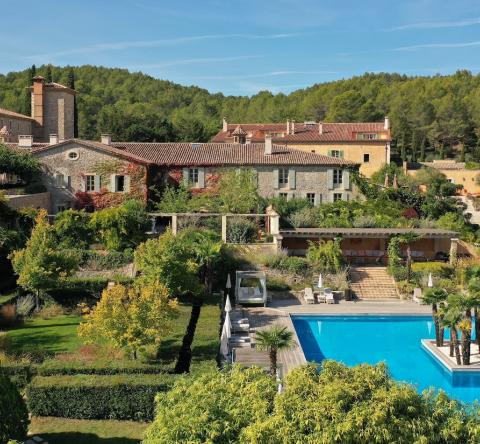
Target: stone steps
(372,283)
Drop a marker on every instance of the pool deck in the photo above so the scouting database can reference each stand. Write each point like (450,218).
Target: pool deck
(279,311)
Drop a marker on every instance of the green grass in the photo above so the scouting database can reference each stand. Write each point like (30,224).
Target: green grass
(79,431)
(47,336)
(205,343)
(6,297)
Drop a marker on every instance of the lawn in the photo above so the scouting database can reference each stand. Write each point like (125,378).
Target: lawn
(6,297)
(48,336)
(80,431)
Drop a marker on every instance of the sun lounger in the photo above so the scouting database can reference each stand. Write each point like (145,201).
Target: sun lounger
(308,296)
(417,295)
(321,295)
(329,299)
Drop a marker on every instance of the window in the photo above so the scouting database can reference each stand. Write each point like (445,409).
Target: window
(73,155)
(89,182)
(59,180)
(337,196)
(311,198)
(119,184)
(366,158)
(336,153)
(367,136)
(337,177)
(283,195)
(61,208)
(193,175)
(283,178)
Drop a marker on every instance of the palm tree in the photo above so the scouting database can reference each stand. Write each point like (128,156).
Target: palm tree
(451,318)
(436,296)
(409,239)
(474,292)
(273,340)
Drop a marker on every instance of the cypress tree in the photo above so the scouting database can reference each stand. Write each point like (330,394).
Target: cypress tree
(49,75)
(462,153)
(26,108)
(71,85)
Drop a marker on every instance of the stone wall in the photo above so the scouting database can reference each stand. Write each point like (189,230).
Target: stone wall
(16,127)
(39,200)
(58,111)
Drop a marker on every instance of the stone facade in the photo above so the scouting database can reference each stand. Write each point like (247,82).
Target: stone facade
(14,126)
(66,167)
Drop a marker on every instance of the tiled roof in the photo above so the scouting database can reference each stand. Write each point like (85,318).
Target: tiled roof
(15,147)
(239,131)
(206,154)
(445,165)
(8,113)
(368,232)
(309,132)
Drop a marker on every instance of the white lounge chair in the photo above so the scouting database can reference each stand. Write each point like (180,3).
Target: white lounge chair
(329,299)
(417,295)
(321,295)
(308,296)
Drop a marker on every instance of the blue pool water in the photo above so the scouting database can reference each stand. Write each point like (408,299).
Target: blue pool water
(393,339)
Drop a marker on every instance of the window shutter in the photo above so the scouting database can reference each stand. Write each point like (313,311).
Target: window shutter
(97,183)
(113,184)
(346,179)
(127,184)
(329,153)
(292,179)
(330,179)
(185,176)
(275,179)
(68,181)
(346,197)
(201,178)
(341,154)
(318,199)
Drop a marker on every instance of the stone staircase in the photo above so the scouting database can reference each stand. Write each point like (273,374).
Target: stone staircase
(372,283)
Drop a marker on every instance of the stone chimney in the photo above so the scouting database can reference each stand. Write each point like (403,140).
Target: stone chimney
(248,140)
(288,126)
(268,144)
(106,139)
(320,128)
(225,125)
(25,141)
(54,139)
(292,127)
(386,125)
(37,99)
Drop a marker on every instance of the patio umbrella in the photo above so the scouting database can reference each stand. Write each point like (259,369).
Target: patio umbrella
(320,281)
(395,182)
(228,285)
(387,181)
(224,343)
(430,280)
(227,325)
(228,305)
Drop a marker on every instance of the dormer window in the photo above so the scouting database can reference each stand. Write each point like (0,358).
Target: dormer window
(367,136)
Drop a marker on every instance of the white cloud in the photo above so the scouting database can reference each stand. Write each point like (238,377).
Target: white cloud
(192,61)
(437,46)
(435,25)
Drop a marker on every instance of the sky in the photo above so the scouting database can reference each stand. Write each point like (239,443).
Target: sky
(242,47)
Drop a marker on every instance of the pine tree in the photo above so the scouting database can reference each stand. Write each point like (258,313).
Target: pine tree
(26,96)
(403,152)
(49,75)
(33,71)
(71,85)
(414,147)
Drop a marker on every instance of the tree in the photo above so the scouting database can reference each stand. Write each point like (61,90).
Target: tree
(41,263)
(408,239)
(422,149)
(273,340)
(13,412)
(450,318)
(22,164)
(72,228)
(48,74)
(130,318)
(214,407)
(435,297)
(71,85)
(237,192)
(474,291)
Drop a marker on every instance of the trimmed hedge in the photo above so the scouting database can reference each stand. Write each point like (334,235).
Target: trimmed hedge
(436,268)
(19,373)
(97,397)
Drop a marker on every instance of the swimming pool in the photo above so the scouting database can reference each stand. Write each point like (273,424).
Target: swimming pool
(393,339)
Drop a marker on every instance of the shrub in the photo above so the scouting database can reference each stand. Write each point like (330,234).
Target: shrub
(304,218)
(338,281)
(436,268)
(97,397)
(241,231)
(20,373)
(8,315)
(276,284)
(365,221)
(49,311)
(25,305)
(406,288)
(113,259)
(13,412)
(72,228)
(325,256)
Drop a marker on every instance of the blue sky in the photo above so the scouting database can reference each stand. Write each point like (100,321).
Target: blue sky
(241,47)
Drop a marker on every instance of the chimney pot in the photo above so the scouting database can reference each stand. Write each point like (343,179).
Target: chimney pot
(268,144)
(106,139)
(25,141)
(386,125)
(54,139)
(225,125)
(320,128)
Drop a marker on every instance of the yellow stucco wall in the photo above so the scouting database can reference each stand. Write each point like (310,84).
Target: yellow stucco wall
(353,152)
(464,177)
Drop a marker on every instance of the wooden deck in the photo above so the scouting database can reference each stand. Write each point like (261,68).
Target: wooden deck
(261,318)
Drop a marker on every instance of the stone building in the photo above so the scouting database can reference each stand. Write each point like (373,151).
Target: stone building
(98,174)
(52,115)
(367,144)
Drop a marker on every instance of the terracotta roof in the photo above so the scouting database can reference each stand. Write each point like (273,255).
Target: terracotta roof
(15,147)
(8,113)
(205,154)
(309,132)
(368,232)
(239,131)
(445,165)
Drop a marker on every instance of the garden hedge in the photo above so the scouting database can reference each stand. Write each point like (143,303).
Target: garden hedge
(19,373)
(97,397)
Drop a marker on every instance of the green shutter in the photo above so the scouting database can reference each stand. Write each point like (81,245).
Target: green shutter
(341,154)
(292,182)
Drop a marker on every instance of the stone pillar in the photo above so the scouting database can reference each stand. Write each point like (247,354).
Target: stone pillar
(174,224)
(224,228)
(453,251)
(274,221)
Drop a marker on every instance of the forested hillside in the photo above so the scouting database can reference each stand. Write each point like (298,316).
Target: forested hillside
(431,116)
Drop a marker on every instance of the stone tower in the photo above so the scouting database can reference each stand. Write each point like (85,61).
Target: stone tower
(52,109)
